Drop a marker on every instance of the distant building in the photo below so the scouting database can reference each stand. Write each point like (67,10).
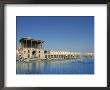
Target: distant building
(30,48)
(61,55)
(88,55)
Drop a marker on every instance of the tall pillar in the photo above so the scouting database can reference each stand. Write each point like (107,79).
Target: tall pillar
(31,43)
(41,44)
(26,43)
(35,45)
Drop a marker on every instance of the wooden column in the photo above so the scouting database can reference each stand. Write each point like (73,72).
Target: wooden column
(41,44)
(35,45)
(26,43)
(31,43)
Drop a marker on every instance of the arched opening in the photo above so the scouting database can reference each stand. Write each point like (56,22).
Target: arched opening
(28,56)
(28,51)
(34,53)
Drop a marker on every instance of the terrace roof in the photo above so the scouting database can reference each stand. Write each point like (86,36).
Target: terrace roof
(29,38)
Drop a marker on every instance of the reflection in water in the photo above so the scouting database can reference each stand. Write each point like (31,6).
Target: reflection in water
(55,67)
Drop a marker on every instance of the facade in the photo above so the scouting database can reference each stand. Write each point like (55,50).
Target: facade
(30,48)
(88,55)
(61,55)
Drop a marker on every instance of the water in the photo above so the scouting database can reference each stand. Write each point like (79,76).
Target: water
(85,66)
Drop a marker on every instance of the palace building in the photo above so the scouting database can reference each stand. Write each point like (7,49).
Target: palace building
(30,48)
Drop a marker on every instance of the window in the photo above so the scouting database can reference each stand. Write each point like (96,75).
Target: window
(24,52)
(51,56)
(28,51)
(45,56)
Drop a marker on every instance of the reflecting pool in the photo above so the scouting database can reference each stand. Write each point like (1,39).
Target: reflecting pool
(77,66)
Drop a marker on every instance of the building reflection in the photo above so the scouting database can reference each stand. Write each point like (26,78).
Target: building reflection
(55,67)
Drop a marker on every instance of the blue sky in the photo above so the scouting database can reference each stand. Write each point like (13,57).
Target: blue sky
(72,33)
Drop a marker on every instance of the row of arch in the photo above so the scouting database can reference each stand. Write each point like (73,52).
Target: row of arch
(61,56)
